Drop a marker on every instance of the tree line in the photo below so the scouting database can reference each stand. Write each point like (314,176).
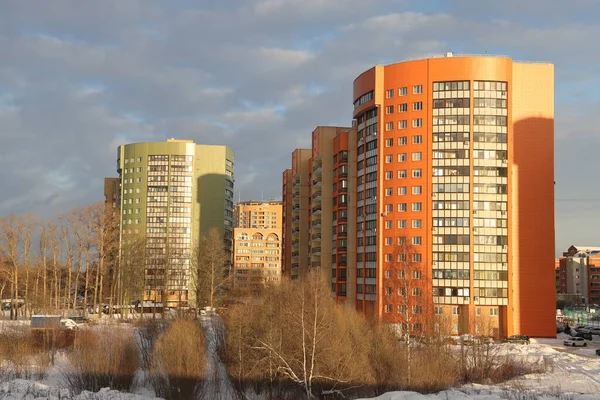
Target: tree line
(76,261)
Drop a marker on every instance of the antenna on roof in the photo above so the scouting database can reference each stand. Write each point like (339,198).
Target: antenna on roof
(239,196)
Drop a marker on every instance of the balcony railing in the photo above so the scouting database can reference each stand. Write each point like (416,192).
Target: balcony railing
(316,209)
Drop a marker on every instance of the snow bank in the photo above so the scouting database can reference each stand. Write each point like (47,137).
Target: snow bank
(20,389)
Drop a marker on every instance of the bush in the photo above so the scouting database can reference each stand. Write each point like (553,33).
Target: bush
(108,358)
(21,357)
(179,360)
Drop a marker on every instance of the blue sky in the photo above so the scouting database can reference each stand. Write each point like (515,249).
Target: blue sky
(79,78)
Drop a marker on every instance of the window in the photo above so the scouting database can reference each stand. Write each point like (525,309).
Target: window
(389,109)
(401,190)
(389,93)
(402,157)
(389,191)
(389,175)
(402,141)
(417,258)
(416,240)
(417,292)
(417,106)
(438,310)
(388,242)
(401,224)
(403,124)
(417,309)
(388,224)
(403,91)
(403,107)
(417,223)
(402,174)
(389,142)
(401,207)
(417,139)
(417,156)
(478,311)
(389,126)
(417,173)
(417,89)
(494,312)
(388,308)
(389,208)
(455,311)
(417,123)
(389,159)
(417,206)
(417,189)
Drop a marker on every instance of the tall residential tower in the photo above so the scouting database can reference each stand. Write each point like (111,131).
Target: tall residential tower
(454,158)
(172,193)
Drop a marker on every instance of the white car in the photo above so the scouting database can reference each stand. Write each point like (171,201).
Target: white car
(575,341)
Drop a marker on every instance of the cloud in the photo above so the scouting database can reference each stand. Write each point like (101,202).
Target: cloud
(80,78)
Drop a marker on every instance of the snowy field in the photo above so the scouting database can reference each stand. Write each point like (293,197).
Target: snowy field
(573,374)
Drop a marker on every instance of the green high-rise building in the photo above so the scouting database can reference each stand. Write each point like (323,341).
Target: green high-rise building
(172,193)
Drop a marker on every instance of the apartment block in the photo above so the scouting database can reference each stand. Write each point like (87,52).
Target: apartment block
(456,156)
(454,164)
(257,245)
(171,194)
(112,195)
(579,274)
(316,232)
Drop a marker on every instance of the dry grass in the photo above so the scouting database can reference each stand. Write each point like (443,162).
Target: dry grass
(179,360)
(21,357)
(107,358)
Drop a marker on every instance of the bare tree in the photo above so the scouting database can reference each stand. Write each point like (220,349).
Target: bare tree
(11,236)
(405,302)
(208,273)
(129,274)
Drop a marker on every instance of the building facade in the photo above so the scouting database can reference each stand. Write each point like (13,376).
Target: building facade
(315,194)
(257,245)
(172,193)
(454,164)
(578,274)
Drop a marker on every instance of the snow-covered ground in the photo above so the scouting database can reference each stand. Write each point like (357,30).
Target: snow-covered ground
(572,374)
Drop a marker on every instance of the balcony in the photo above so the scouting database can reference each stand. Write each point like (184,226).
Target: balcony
(316,210)
(316,194)
(317,165)
(316,237)
(296,182)
(316,183)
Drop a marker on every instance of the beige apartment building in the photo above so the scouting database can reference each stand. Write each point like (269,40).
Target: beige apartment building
(257,251)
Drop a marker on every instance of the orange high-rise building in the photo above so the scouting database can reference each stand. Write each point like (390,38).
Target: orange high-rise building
(456,155)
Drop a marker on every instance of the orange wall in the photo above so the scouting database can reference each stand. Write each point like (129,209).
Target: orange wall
(532,213)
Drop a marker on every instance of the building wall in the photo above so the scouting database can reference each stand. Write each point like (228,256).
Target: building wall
(286,211)
(112,195)
(464,147)
(171,193)
(257,258)
(301,168)
(257,254)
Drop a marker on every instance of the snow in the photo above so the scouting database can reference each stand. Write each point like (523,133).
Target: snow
(20,389)
(573,373)
(217,385)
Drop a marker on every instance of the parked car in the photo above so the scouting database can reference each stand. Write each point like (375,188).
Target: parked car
(598,352)
(585,335)
(517,339)
(560,329)
(595,330)
(575,342)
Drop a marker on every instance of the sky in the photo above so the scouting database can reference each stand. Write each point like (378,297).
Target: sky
(77,79)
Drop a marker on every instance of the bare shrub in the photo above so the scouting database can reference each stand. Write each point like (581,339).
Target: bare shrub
(179,360)
(21,357)
(296,342)
(102,359)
